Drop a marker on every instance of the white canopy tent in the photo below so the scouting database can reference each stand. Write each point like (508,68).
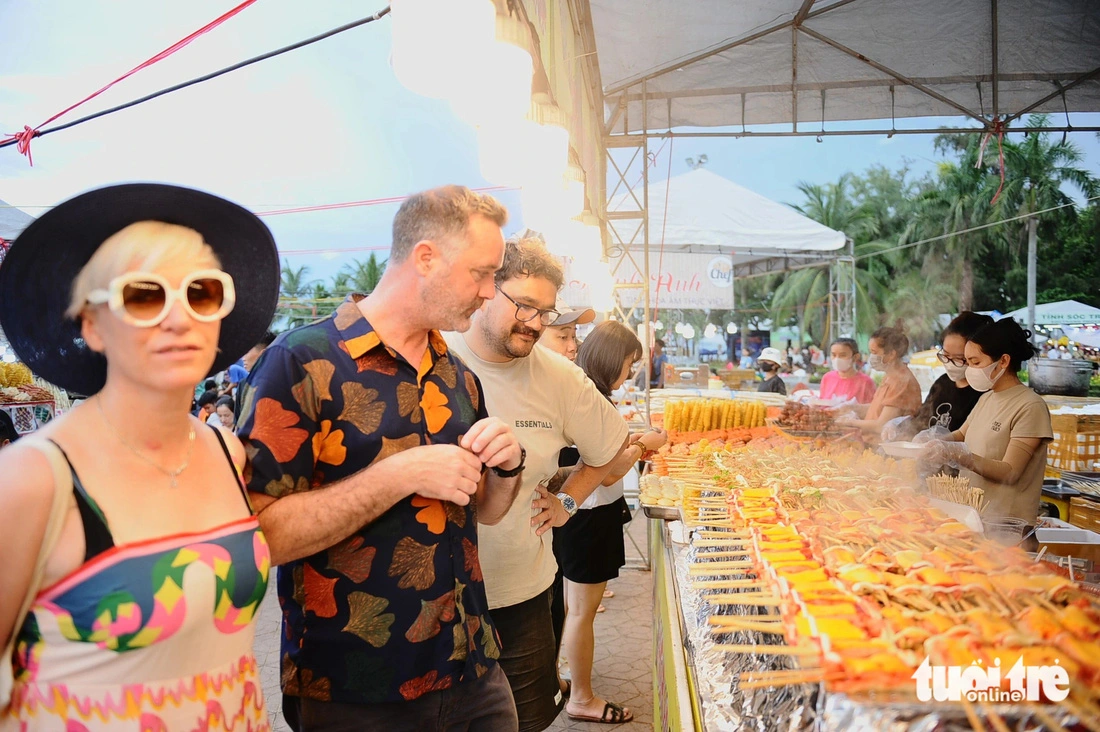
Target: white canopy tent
(710,231)
(808,62)
(1064,312)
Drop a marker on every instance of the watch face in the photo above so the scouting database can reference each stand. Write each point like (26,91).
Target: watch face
(567,502)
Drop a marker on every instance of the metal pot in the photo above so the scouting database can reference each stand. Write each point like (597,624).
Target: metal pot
(1055,376)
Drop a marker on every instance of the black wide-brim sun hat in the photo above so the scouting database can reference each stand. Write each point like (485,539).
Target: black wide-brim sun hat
(37,273)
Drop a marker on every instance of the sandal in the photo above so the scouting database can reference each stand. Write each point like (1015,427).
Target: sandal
(612,714)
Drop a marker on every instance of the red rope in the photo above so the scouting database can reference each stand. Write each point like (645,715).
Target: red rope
(24,138)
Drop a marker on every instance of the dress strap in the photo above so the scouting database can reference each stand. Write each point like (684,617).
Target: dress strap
(232,466)
(97,534)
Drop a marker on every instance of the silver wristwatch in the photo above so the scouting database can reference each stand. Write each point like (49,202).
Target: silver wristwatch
(567,503)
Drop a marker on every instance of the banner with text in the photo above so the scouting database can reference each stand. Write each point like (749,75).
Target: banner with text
(680,280)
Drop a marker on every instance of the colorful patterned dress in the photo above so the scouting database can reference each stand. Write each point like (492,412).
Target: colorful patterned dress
(150,636)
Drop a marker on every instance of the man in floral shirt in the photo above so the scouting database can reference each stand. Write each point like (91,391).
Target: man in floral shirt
(372,462)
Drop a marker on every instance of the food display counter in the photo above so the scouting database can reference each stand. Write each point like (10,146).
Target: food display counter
(804,589)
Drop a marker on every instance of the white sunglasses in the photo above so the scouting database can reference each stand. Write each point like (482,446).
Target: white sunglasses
(144,299)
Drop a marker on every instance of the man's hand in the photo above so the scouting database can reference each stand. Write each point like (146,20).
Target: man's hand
(494,444)
(551,513)
(447,472)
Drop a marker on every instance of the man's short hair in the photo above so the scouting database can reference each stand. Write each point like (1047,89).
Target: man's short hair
(208,398)
(439,214)
(659,342)
(528,257)
(267,339)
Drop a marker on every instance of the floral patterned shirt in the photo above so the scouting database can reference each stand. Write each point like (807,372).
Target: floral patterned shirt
(397,609)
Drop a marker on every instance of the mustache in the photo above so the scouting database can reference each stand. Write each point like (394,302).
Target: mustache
(524,330)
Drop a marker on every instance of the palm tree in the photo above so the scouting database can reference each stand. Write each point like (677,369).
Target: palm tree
(918,298)
(294,282)
(1036,169)
(958,200)
(804,294)
(364,276)
(340,286)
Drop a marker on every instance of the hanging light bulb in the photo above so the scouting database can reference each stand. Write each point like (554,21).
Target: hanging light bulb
(573,239)
(689,332)
(658,325)
(512,154)
(731,328)
(498,78)
(435,42)
(710,330)
(679,328)
(550,200)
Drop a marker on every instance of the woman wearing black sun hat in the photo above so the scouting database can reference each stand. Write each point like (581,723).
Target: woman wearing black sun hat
(131,556)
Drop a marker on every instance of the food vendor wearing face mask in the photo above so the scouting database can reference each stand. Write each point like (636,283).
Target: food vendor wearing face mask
(951,398)
(1002,446)
(899,393)
(844,381)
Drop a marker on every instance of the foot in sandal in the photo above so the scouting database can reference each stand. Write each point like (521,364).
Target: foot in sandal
(599,711)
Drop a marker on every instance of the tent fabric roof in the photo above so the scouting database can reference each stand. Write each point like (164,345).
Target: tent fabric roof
(12,221)
(719,63)
(709,213)
(1064,312)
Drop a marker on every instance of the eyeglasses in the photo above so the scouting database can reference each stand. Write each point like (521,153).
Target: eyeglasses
(945,359)
(144,299)
(527,313)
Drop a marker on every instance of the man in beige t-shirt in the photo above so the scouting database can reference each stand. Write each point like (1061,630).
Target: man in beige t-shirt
(998,418)
(550,404)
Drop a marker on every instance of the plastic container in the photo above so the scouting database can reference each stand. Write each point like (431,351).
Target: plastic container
(1005,530)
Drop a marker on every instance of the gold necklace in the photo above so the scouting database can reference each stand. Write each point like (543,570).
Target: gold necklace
(173,475)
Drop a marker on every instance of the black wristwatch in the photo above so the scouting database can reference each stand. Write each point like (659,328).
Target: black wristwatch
(502,473)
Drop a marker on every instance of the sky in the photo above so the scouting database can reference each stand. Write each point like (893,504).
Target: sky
(320,125)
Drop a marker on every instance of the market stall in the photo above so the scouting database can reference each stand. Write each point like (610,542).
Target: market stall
(812,586)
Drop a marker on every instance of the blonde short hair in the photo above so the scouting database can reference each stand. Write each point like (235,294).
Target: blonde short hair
(143,246)
(438,214)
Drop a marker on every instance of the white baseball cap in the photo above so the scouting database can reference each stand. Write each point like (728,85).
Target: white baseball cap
(772,354)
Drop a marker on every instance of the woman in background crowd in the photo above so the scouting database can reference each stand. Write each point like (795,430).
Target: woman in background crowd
(589,547)
(845,381)
(768,362)
(899,393)
(1002,446)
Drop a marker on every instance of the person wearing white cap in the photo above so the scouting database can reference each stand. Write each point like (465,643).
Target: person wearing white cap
(768,362)
(561,335)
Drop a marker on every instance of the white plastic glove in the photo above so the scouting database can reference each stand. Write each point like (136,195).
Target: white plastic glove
(895,429)
(953,454)
(846,418)
(932,433)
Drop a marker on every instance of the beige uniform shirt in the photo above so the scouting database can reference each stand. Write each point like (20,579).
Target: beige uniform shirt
(549,403)
(997,418)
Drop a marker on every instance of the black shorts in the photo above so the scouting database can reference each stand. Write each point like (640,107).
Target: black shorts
(528,656)
(589,547)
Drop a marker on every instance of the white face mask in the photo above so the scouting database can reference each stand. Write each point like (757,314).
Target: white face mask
(955,373)
(877,363)
(981,379)
(842,364)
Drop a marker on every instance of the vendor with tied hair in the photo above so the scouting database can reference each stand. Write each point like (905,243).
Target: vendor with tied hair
(1002,446)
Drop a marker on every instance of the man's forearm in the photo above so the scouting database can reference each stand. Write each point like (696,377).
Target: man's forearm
(584,480)
(302,524)
(495,497)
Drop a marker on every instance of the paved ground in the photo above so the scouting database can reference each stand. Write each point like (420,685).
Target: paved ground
(624,645)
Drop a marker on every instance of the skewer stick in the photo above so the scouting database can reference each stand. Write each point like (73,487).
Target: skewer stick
(765,650)
(718,569)
(994,718)
(725,628)
(1049,722)
(728,584)
(808,676)
(746,600)
(972,716)
(1083,717)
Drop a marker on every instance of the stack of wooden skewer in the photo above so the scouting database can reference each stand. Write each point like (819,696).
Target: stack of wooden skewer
(956,490)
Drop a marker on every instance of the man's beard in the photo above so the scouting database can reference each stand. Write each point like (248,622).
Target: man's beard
(503,345)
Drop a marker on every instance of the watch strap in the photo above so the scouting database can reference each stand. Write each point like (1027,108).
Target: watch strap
(502,473)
